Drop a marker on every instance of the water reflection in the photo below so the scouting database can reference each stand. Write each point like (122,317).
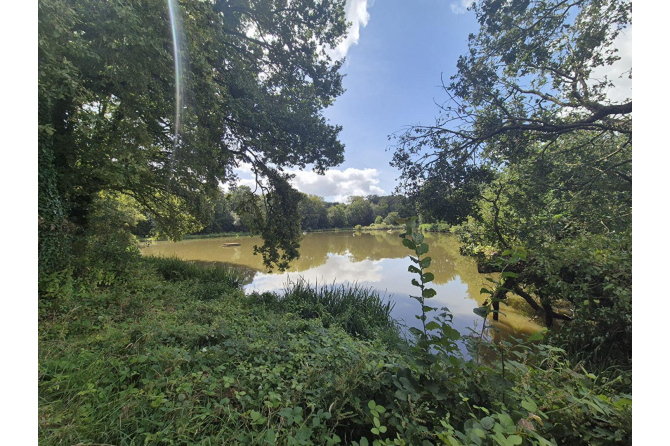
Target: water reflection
(375,260)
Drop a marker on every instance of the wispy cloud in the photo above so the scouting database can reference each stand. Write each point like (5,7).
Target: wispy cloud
(461,7)
(356,13)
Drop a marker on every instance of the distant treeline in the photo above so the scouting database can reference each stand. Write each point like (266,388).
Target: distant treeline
(316,213)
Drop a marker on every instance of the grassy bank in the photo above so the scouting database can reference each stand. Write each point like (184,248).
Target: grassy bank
(174,353)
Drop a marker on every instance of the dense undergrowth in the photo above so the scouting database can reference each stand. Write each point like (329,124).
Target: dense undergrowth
(174,353)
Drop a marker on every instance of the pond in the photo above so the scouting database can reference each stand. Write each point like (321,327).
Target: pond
(372,259)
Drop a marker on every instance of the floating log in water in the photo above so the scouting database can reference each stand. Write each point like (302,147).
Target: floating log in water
(227,245)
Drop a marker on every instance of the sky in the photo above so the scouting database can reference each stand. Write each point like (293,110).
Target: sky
(396,54)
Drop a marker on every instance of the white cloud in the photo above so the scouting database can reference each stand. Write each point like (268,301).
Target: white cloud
(618,71)
(337,185)
(337,269)
(461,7)
(357,13)
(334,185)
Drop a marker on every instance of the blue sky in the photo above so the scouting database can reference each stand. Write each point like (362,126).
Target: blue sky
(395,54)
(393,77)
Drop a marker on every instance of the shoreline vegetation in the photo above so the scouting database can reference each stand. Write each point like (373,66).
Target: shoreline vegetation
(170,352)
(426,227)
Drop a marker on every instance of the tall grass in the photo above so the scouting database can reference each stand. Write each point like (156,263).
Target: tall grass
(175,270)
(357,309)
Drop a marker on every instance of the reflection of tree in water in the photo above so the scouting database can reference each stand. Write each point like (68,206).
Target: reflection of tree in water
(359,246)
(448,263)
(452,271)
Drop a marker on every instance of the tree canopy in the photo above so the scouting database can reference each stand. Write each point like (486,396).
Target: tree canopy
(252,79)
(528,78)
(532,154)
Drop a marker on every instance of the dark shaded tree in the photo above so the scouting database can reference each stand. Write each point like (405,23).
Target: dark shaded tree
(254,78)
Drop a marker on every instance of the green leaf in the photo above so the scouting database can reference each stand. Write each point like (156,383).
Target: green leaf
(450,333)
(428,277)
(408,243)
(372,404)
(416,283)
(425,262)
(510,274)
(479,432)
(432,325)
(487,423)
(428,293)
(539,336)
(507,422)
(414,269)
(529,405)
(421,249)
(485,291)
(481,311)
(415,331)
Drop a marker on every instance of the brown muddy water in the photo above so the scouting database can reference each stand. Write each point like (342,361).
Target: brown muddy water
(377,259)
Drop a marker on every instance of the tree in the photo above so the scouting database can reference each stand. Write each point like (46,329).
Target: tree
(359,212)
(222,219)
(533,156)
(253,78)
(313,212)
(526,79)
(337,217)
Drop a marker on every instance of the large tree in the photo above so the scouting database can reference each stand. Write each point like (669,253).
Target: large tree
(161,100)
(529,77)
(533,151)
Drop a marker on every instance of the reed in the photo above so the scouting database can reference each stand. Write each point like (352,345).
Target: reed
(358,309)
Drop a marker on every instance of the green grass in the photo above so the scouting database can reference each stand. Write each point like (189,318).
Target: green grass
(175,353)
(360,311)
(181,356)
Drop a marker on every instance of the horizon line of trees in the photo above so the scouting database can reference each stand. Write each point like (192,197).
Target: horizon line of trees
(232,213)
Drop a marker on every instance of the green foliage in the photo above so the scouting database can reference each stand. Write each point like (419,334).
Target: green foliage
(530,152)
(313,212)
(175,270)
(337,217)
(115,117)
(435,227)
(358,310)
(359,212)
(175,353)
(413,239)
(191,360)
